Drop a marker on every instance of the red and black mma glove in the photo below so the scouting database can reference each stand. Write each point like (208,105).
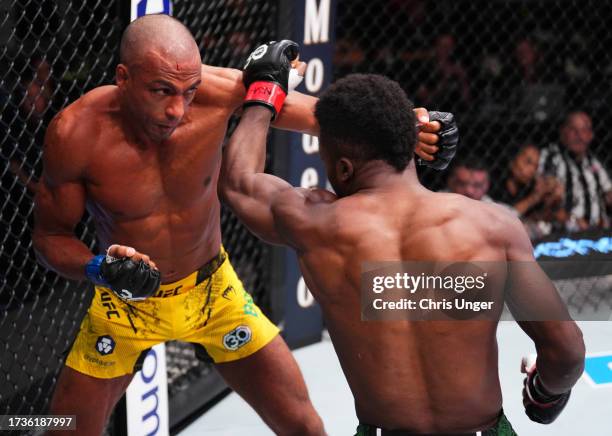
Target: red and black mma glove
(129,280)
(447,145)
(541,406)
(266,74)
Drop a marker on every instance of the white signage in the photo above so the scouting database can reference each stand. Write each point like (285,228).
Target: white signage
(147,397)
(140,8)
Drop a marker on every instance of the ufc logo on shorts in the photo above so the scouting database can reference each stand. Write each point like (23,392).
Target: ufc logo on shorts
(110,306)
(237,338)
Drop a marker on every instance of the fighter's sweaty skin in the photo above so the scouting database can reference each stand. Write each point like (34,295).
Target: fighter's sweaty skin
(160,198)
(156,199)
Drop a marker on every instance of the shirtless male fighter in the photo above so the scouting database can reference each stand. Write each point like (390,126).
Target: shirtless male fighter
(430,377)
(144,157)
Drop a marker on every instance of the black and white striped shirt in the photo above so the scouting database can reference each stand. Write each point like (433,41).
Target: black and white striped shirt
(585,187)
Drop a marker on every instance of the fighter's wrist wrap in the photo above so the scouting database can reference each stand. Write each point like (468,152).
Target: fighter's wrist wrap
(540,405)
(93,270)
(537,393)
(269,94)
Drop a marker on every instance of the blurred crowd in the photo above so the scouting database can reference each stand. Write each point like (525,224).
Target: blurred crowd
(527,83)
(561,187)
(487,63)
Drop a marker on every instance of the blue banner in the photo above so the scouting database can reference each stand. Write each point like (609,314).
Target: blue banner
(598,369)
(141,8)
(313,29)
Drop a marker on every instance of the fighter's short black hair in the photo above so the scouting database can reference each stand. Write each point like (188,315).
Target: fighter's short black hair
(368,117)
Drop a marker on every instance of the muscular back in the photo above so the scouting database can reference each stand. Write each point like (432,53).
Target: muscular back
(407,374)
(159,198)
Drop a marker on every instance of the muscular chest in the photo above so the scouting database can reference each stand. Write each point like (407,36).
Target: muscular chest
(128,181)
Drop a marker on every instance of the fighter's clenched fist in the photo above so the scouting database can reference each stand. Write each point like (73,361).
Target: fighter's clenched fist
(129,274)
(266,74)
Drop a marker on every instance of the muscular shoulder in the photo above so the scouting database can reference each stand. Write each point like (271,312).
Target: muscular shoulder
(489,222)
(221,86)
(502,226)
(304,215)
(294,199)
(70,135)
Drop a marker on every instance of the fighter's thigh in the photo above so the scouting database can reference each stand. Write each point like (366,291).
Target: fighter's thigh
(114,335)
(91,399)
(269,379)
(229,326)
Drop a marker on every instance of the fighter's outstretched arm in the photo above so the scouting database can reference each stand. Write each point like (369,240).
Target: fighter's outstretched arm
(244,186)
(225,85)
(298,115)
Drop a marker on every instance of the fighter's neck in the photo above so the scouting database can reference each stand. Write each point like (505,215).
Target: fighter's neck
(377,176)
(133,129)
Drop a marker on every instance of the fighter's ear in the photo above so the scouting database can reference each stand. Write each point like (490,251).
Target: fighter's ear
(121,75)
(344,169)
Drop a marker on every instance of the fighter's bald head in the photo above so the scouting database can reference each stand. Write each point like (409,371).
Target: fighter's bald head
(160,34)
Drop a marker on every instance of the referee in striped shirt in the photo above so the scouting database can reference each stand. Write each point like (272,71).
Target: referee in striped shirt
(588,190)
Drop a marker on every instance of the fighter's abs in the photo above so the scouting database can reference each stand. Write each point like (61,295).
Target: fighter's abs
(162,201)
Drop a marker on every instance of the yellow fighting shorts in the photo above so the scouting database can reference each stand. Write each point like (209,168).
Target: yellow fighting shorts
(209,308)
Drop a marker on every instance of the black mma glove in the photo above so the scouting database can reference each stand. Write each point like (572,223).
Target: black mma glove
(449,137)
(541,406)
(266,74)
(129,280)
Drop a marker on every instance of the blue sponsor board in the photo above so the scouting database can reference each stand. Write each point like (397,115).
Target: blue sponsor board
(313,29)
(598,369)
(583,254)
(141,8)
(568,247)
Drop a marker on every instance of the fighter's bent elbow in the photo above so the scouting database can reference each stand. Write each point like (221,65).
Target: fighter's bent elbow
(569,350)
(576,351)
(38,244)
(226,190)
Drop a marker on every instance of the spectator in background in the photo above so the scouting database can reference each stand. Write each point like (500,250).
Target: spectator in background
(537,199)
(35,100)
(447,84)
(526,67)
(25,118)
(587,187)
(469,177)
(348,56)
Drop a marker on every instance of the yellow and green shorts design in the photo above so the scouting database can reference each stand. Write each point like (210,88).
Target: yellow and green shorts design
(208,308)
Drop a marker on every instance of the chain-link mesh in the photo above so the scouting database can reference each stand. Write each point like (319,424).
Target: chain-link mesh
(588,298)
(51,53)
(510,70)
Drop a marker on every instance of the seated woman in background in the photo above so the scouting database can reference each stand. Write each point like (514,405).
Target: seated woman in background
(537,199)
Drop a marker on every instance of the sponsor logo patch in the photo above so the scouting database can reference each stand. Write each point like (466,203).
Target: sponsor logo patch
(105,345)
(237,338)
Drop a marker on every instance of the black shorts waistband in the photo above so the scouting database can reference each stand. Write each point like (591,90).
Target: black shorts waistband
(186,284)
(210,267)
